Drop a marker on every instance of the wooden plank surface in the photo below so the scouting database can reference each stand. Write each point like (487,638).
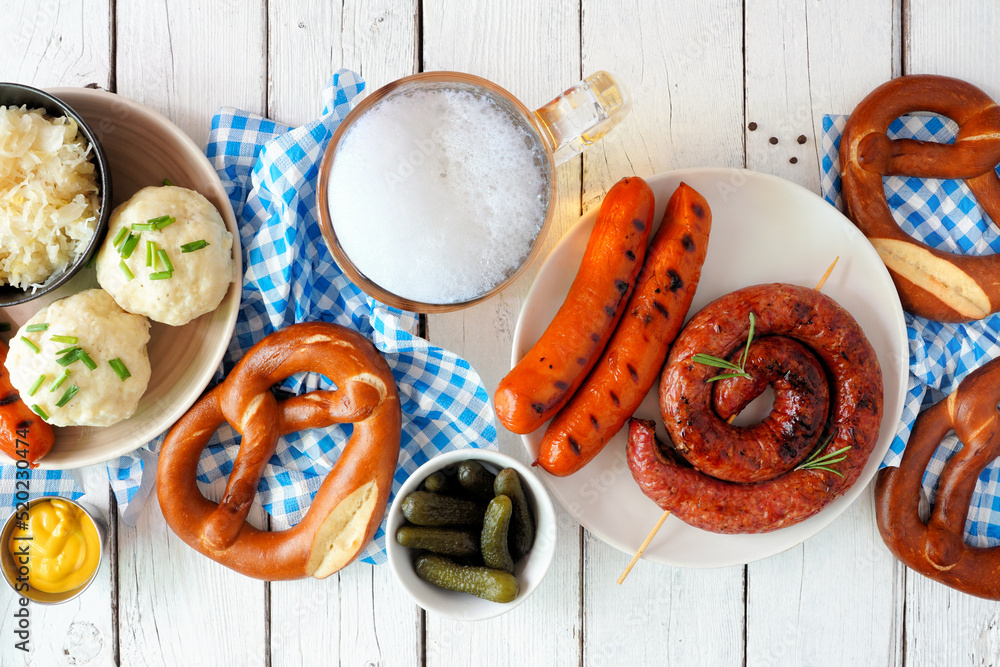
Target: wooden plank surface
(64,45)
(698,73)
(185,59)
(955,40)
(533,50)
(787,92)
(944,627)
(358,613)
(683,66)
(51,45)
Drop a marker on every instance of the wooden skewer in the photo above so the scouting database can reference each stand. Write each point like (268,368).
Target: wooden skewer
(822,281)
(656,528)
(642,547)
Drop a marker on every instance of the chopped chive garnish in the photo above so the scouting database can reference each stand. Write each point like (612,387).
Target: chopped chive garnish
(35,385)
(69,340)
(168,221)
(124,267)
(69,357)
(87,361)
(37,409)
(4,326)
(156,221)
(120,236)
(70,393)
(162,254)
(33,347)
(150,252)
(143,226)
(59,380)
(42,326)
(91,261)
(66,350)
(160,275)
(129,245)
(119,368)
(194,245)
(167,181)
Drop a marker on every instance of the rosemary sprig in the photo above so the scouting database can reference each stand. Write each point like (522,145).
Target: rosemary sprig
(817,462)
(737,370)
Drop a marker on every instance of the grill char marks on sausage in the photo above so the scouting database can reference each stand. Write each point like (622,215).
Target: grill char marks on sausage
(635,354)
(532,392)
(847,358)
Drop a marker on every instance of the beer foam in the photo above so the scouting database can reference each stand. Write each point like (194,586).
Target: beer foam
(438,194)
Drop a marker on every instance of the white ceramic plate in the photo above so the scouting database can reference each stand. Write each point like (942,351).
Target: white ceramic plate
(764,229)
(143,148)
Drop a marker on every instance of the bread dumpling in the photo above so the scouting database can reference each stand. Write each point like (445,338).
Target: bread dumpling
(187,270)
(87,332)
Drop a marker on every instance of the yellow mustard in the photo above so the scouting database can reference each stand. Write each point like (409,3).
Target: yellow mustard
(63,546)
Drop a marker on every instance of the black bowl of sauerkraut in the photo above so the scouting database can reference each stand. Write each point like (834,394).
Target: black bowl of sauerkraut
(55,193)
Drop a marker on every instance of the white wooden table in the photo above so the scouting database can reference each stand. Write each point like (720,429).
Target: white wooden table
(700,73)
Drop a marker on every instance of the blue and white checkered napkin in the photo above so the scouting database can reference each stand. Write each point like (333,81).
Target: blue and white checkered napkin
(270,173)
(945,215)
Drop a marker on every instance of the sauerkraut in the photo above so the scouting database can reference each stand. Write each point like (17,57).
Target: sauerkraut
(48,195)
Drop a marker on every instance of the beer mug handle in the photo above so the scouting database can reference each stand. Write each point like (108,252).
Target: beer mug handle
(582,115)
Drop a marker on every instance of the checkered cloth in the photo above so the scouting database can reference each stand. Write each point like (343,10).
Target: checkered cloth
(270,173)
(945,215)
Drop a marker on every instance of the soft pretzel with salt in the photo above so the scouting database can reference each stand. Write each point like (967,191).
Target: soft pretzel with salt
(936,548)
(349,505)
(934,284)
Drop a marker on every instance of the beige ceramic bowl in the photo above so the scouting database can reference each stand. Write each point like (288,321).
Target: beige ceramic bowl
(143,148)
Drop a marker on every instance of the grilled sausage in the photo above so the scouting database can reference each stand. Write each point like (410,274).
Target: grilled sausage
(541,383)
(782,439)
(23,434)
(720,506)
(634,357)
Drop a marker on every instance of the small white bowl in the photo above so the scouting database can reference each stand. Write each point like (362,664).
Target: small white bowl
(529,570)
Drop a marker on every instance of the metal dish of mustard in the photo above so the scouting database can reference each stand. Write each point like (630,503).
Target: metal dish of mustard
(52,550)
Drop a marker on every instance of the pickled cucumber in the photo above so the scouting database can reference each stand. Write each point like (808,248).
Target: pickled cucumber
(496,554)
(446,541)
(437,482)
(522,524)
(476,479)
(484,582)
(424,508)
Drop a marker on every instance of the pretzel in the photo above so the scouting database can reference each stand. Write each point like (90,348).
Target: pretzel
(934,284)
(936,548)
(349,505)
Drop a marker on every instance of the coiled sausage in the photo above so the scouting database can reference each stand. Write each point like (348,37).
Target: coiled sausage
(721,506)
